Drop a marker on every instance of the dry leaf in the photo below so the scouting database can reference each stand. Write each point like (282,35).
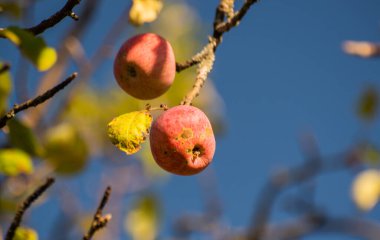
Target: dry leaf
(129,130)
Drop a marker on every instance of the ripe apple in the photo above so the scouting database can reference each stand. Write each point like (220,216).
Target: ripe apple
(144,67)
(182,140)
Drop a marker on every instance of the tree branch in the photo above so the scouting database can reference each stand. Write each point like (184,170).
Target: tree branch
(206,57)
(287,178)
(234,21)
(312,223)
(65,11)
(204,67)
(25,205)
(36,101)
(52,77)
(99,221)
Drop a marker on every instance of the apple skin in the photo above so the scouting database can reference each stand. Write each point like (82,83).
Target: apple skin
(145,67)
(182,140)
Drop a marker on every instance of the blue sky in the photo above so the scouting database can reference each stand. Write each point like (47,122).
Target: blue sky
(281,73)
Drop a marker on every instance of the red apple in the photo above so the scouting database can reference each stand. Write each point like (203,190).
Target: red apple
(145,66)
(182,140)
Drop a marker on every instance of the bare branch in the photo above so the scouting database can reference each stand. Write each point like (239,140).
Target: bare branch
(52,77)
(311,223)
(287,178)
(206,58)
(24,206)
(99,221)
(234,21)
(65,11)
(179,67)
(204,68)
(36,101)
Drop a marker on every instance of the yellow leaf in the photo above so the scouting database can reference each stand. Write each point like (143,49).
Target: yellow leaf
(142,221)
(143,11)
(14,162)
(32,47)
(129,130)
(23,233)
(366,189)
(46,58)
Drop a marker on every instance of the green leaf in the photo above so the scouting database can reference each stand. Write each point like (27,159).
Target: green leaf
(65,149)
(143,11)
(129,130)
(368,104)
(11,8)
(32,47)
(142,221)
(370,154)
(21,136)
(7,206)
(14,162)
(23,233)
(5,88)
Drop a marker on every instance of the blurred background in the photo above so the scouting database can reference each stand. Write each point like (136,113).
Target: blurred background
(282,91)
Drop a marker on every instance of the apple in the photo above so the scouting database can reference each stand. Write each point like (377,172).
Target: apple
(145,67)
(182,140)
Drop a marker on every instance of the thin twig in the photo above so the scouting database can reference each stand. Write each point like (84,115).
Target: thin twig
(204,68)
(65,11)
(51,78)
(36,101)
(99,221)
(179,67)
(89,66)
(305,225)
(24,206)
(206,57)
(234,21)
(285,179)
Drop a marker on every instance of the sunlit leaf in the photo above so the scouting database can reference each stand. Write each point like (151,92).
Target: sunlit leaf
(14,162)
(5,88)
(142,221)
(98,106)
(21,136)
(129,130)
(32,47)
(10,8)
(143,11)
(366,189)
(65,149)
(368,104)
(23,233)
